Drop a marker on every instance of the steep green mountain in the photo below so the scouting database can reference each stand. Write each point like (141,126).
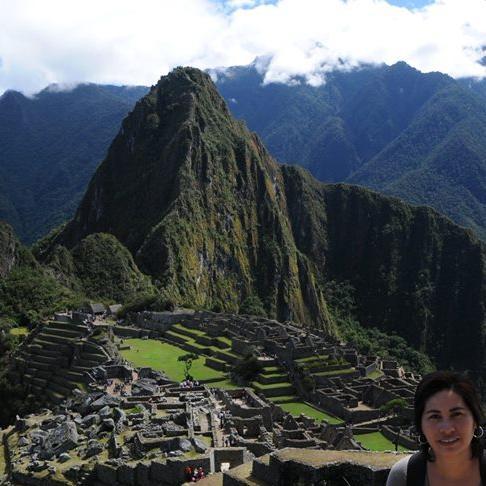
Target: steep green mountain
(354,128)
(205,210)
(50,146)
(391,128)
(27,290)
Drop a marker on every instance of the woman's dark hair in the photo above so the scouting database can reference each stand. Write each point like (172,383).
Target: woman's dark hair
(460,384)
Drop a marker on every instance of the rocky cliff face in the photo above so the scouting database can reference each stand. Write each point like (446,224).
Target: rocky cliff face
(206,211)
(200,204)
(9,249)
(415,272)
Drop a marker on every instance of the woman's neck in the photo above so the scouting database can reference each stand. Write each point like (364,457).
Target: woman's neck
(454,468)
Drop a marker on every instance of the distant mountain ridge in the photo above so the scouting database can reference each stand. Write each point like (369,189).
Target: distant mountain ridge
(391,128)
(50,145)
(207,212)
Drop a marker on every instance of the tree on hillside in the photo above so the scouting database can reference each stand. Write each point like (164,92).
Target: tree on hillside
(395,406)
(248,368)
(187,359)
(252,305)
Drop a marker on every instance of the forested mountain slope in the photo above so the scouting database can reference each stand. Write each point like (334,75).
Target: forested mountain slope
(50,145)
(392,128)
(208,213)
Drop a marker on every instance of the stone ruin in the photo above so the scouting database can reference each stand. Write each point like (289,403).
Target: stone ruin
(128,426)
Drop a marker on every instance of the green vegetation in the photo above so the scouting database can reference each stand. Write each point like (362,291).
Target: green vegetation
(136,409)
(13,398)
(375,374)
(165,357)
(253,306)
(248,368)
(19,331)
(234,224)
(356,129)
(191,331)
(188,360)
(47,160)
(296,408)
(396,407)
(148,302)
(376,441)
(270,386)
(341,298)
(30,294)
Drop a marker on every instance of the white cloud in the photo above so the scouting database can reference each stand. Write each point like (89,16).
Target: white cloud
(118,41)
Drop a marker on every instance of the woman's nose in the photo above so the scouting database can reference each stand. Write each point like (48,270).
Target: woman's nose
(446,426)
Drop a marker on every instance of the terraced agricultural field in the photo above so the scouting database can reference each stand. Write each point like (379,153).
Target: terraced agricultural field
(164,357)
(19,331)
(296,408)
(376,441)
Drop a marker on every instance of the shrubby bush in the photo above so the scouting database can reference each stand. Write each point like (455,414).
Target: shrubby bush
(370,340)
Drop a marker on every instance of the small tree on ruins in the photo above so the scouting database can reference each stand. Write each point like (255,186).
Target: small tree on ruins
(187,359)
(248,368)
(395,406)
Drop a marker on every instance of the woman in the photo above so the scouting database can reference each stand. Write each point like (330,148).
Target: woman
(447,417)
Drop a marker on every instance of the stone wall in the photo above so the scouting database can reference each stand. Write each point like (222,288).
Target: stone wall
(403,440)
(294,467)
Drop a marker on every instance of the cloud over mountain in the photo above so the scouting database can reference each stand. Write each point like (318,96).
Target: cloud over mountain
(115,41)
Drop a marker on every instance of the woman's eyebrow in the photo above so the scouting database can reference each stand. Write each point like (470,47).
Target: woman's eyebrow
(454,409)
(432,411)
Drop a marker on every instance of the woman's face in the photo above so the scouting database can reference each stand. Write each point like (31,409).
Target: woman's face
(448,424)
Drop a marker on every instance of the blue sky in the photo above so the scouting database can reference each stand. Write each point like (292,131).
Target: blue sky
(127,42)
(410,3)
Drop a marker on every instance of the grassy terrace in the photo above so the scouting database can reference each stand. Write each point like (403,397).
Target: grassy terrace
(376,441)
(323,358)
(284,398)
(3,466)
(296,408)
(344,371)
(224,340)
(164,357)
(194,332)
(19,331)
(269,386)
(192,340)
(375,374)
(271,369)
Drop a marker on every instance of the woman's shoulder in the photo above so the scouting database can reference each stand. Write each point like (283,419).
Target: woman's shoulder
(398,473)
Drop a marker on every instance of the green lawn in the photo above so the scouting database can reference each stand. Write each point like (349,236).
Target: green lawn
(376,441)
(343,371)
(194,332)
(163,357)
(283,398)
(271,369)
(322,358)
(270,386)
(225,384)
(296,408)
(203,347)
(225,340)
(19,331)
(375,374)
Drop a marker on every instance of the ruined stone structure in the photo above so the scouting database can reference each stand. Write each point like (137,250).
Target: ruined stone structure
(122,425)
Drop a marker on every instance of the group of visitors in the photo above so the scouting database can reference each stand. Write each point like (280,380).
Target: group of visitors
(194,474)
(189,383)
